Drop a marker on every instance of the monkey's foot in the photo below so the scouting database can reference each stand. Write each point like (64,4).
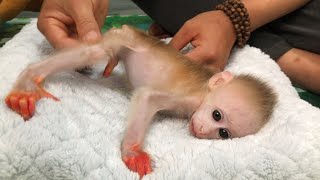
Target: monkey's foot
(23,102)
(137,161)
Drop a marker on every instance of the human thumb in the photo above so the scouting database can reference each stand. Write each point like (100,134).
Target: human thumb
(87,26)
(197,55)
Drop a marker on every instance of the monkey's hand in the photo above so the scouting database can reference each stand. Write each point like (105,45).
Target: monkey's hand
(110,66)
(23,101)
(137,160)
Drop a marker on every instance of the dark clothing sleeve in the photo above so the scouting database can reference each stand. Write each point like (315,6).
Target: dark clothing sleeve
(299,29)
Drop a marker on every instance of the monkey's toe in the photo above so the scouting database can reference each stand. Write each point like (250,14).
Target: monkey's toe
(23,103)
(139,163)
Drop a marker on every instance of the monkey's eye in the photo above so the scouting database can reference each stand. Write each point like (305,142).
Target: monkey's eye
(224,134)
(216,114)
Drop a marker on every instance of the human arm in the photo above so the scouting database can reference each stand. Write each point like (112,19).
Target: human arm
(65,23)
(213,35)
(264,11)
(11,8)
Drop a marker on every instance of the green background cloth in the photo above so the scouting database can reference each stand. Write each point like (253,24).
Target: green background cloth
(10,28)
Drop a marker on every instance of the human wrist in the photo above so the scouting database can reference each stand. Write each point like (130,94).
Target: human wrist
(227,26)
(239,17)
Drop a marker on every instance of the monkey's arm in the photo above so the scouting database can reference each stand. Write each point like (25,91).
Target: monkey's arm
(28,89)
(145,103)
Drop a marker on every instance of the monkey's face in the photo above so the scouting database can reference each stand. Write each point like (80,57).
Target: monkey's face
(227,111)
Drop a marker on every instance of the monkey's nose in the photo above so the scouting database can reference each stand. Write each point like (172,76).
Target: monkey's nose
(201,129)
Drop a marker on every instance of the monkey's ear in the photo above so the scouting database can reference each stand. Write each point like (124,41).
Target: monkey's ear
(220,78)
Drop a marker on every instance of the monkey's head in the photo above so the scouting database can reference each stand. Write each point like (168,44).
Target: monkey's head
(235,106)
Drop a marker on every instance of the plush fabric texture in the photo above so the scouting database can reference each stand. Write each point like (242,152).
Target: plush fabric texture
(79,137)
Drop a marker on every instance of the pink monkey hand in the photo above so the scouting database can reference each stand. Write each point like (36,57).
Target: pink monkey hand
(23,102)
(137,161)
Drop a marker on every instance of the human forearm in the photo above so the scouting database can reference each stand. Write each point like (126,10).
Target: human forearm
(264,11)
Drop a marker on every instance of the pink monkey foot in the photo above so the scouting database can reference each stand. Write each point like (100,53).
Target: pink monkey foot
(23,102)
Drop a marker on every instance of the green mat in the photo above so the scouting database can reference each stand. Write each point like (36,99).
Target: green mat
(10,28)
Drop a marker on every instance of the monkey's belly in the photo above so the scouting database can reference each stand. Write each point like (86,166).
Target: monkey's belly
(146,69)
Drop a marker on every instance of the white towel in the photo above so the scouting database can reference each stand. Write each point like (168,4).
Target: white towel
(79,137)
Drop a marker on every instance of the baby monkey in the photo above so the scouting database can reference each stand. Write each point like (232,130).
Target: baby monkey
(219,104)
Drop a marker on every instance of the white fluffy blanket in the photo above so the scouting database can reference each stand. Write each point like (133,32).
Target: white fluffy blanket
(79,137)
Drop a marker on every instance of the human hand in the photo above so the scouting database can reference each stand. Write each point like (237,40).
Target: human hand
(65,23)
(211,34)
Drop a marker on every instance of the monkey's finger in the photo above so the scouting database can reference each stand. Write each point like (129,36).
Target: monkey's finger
(7,100)
(44,93)
(14,101)
(31,105)
(146,163)
(109,68)
(147,166)
(24,108)
(182,37)
(143,164)
(143,167)
(131,164)
(140,166)
(38,80)
(41,91)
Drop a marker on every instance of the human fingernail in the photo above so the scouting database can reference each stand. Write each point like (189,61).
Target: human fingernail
(90,36)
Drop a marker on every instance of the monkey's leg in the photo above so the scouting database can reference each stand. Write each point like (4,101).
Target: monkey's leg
(28,88)
(145,103)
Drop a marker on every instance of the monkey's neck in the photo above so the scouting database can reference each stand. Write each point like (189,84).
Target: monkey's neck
(194,101)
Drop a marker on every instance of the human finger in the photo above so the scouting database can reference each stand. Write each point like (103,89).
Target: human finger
(101,12)
(87,26)
(197,55)
(56,33)
(183,36)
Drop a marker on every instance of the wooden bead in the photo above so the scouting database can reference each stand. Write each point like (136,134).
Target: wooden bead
(239,17)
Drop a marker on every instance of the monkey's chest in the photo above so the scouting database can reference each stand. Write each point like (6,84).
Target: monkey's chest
(146,69)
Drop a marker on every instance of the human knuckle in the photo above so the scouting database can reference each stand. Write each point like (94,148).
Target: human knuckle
(85,21)
(188,24)
(212,54)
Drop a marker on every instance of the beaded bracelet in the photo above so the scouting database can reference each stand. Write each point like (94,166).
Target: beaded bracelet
(239,17)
